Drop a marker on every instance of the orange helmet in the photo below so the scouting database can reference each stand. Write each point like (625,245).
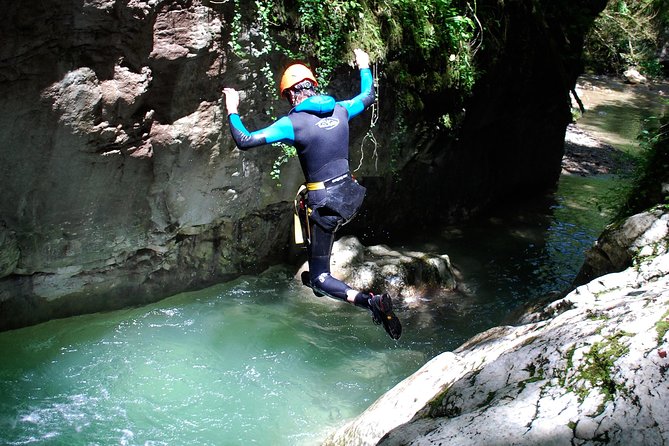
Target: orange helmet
(295,74)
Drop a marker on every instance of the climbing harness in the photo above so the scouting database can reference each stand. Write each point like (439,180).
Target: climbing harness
(301,210)
(328,183)
(343,196)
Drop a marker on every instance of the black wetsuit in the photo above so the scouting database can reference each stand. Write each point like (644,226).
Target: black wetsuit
(318,128)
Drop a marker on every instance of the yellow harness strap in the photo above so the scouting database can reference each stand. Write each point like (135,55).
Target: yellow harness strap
(297,224)
(316,186)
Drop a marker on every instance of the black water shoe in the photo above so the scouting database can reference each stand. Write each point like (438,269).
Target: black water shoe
(382,313)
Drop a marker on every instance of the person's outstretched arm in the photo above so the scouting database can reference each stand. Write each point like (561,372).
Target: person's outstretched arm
(281,130)
(366,97)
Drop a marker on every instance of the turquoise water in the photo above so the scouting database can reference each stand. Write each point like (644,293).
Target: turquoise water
(260,360)
(254,361)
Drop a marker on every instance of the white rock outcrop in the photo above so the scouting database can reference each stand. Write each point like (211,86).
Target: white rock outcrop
(591,368)
(633,76)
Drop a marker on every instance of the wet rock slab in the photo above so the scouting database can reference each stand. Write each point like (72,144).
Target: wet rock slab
(590,368)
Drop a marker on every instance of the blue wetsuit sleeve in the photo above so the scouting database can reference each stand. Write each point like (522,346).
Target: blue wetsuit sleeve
(281,130)
(366,97)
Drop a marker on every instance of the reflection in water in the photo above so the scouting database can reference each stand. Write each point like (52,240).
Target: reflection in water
(616,112)
(519,256)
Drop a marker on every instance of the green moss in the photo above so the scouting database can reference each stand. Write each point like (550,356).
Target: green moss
(530,369)
(662,326)
(436,404)
(597,369)
(596,315)
(599,294)
(533,379)
(438,408)
(570,359)
(537,373)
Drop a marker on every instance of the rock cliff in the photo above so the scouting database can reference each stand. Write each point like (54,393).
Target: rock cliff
(588,369)
(119,181)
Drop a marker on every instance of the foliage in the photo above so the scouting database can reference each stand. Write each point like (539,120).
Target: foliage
(324,28)
(432,39)
(287,152)
(662,327)
(426,46)
(650,181)
(235,30)
(262,49)
(627,34)
(439,32)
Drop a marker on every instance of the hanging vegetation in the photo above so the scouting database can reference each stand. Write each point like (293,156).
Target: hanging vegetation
(628,33)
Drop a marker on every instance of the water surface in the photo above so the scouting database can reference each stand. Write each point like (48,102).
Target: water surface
(260,360)
(256,360)
(617,112)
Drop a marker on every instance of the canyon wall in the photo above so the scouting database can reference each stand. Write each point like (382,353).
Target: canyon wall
(121,185)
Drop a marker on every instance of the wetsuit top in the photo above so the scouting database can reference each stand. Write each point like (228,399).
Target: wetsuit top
(317,127)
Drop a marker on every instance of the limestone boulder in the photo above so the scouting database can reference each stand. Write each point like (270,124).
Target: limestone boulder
(639,236)
(588,369)
(633,76)
(406,275)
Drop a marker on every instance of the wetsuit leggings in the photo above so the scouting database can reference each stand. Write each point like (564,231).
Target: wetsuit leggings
(319,251)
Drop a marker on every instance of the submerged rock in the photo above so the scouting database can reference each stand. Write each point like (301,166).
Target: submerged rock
(404,274)
(589,368)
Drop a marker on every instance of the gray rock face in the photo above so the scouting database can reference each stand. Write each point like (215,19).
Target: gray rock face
(9,252)
(590,368)
(120,184)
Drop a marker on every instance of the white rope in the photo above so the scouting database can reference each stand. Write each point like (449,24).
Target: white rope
(370,133)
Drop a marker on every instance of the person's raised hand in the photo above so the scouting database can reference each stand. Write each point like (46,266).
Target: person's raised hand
(231,100)
(361,58)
